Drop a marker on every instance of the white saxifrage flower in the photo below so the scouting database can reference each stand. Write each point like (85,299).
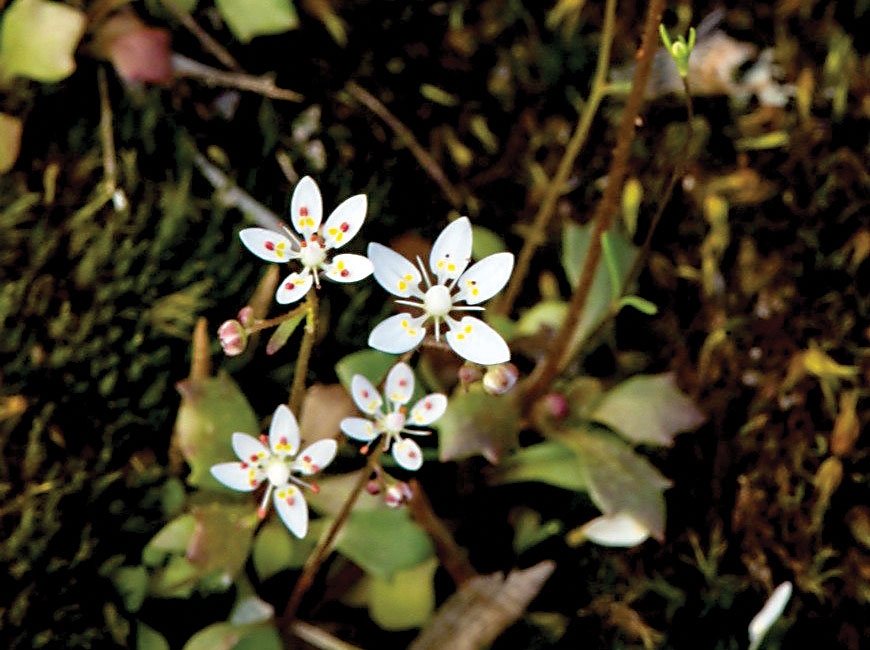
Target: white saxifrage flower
(279,466)
(392,421)
(454,283)
(312,251)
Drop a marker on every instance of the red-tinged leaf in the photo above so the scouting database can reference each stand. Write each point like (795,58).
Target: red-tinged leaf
(478,423)
(648,409)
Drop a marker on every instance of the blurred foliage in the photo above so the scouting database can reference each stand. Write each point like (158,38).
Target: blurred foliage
(754,312)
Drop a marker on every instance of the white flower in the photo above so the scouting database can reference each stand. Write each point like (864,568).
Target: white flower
(769,614)
(398,390)
(312,250)
(279,465)
(619,529)
(469,337)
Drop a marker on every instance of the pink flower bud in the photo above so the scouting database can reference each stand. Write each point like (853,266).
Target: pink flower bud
(373,487)
(468,374)
(397,495)
(500,379)
(246,316)
(233,337)
(555,405)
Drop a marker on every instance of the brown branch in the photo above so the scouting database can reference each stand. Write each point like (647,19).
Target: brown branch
(606,208)
(431,167)
(208,43)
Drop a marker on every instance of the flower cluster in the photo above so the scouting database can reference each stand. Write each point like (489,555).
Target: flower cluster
(279,466)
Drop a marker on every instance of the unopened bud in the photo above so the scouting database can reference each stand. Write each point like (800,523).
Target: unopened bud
(373,487)
(233,337)
(500,379)
(398,494)
(246,316)
(555,405)
(468,374)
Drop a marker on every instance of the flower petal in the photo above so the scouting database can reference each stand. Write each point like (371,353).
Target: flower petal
(315,457)
(400,384)
(394,273)
(348,268)
(290,504)
(407,453)
(248,448)
(770,612)
(451,251)
(238,476)
(268,245)
(485,279)
(619,530)
(398,334)
(306,207)
(366,396)
(428,409)
(359,429)
(284,432)
(476,341)
(345,221)
(294,287)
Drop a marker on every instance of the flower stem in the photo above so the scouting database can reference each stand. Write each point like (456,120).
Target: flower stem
(260,325)
(297,390)
(557,355)
(556,187)
(323,548)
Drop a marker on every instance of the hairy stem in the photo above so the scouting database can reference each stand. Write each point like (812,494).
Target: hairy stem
(556,187)
(557,355)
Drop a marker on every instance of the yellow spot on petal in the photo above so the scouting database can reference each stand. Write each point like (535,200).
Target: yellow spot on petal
(402,285)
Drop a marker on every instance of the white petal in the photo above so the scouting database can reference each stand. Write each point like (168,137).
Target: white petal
(619,529)
(293,288)
(398,334)
(359,429)
(349,268)
(400,384)
(407,453)
(291,507)
(485,279)
(476,341)
(345,221)
(248,448)
(428,409)
(238,476)
(306,207)
(315,456)
(268,244)
(451,252)
(284,432)
(366,396)
(394,273)
(769,614)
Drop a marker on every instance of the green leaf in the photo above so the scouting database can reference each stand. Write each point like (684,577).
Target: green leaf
(406,601)
(149,639)
(575,244)
(384,541)
(38,39)
(485,242)
(275,549)
(371,364)
(211,410)
(221,542)
(547,314)
(279,337)
(648,409)
(257,17)
(226,636)
(132,583)
(643,305)
(172,538)
(546,462)
(619,480)
(478,423)
(177,579)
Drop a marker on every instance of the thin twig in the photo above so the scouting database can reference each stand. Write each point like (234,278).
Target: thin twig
(451,556)
(183,66)
(558,355)
(231,195)
(319,638)
(364,97)
(556,186)
(297,391)
(324,546)
(209,44)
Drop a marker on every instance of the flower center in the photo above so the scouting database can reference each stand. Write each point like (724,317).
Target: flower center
(437,301)
(277,471)
(394,422)
(312,254)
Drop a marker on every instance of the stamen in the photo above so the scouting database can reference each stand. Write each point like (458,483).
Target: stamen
(264,504)
(425,273)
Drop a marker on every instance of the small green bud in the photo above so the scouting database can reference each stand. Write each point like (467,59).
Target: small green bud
(680,50)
